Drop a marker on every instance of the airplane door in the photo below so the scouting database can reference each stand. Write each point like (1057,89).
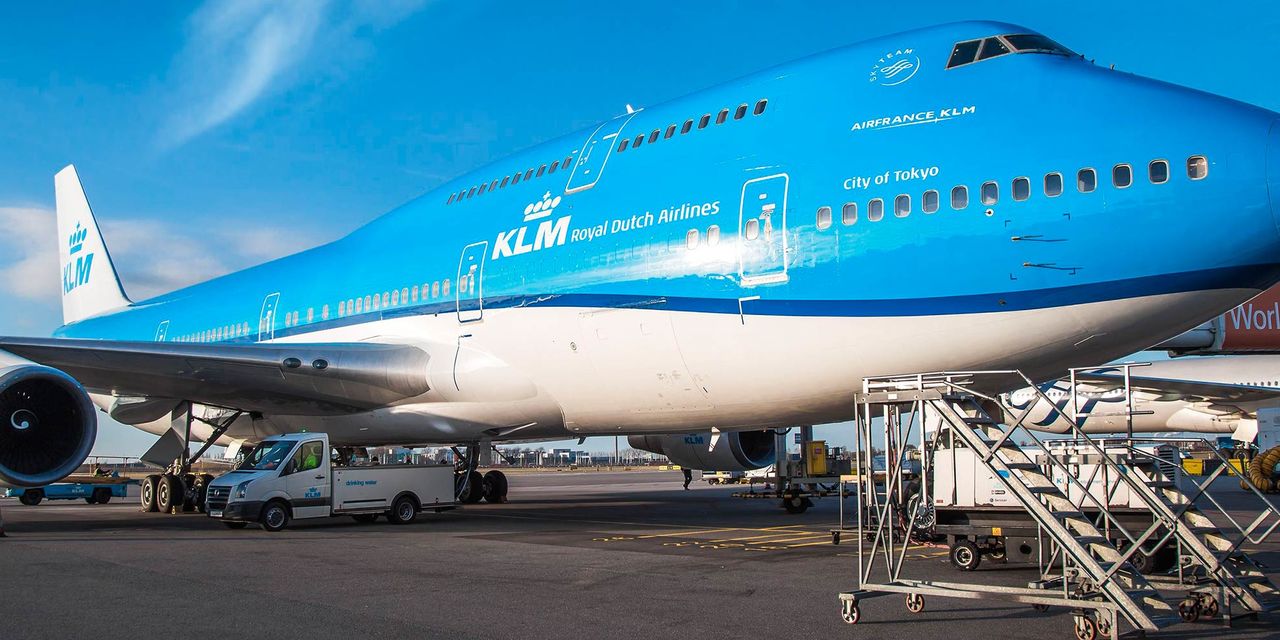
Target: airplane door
(762,231)
(267,319)
(470,284)
(162,331)
(595,153)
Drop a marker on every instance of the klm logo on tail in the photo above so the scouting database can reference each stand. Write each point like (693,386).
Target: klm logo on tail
(75,273)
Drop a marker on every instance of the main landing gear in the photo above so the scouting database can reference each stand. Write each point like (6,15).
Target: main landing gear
(473,486)
(178,490)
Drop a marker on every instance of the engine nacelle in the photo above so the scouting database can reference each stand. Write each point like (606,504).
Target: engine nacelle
(736,450)
(47,425)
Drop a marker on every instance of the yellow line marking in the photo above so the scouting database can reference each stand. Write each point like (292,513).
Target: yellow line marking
(808,537)
(686,533)
(767,535)
(809,544)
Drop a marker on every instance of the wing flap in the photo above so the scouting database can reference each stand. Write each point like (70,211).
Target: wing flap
(1172,389)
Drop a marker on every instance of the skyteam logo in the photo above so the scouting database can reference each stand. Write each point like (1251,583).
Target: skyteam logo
(75,273)
(550,233)
(895,67)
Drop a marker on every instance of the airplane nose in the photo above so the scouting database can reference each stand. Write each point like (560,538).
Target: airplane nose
(1273,171)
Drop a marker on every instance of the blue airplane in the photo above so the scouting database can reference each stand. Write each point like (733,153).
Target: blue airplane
(967,196)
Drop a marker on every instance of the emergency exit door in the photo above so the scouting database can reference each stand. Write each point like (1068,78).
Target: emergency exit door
(595,153)
(762,231)
(469,288)
(267,319)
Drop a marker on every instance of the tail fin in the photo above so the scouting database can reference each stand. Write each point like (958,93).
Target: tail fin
(90,285)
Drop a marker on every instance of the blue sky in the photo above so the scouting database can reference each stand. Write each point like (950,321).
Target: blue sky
(213,137)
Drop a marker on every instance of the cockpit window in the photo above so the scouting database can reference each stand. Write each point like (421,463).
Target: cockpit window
(978,50)
(992,47)
(964,53)
(1035,43)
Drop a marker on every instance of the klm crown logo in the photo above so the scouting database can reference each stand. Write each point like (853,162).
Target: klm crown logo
(75,273)
(541,209)
(76,241)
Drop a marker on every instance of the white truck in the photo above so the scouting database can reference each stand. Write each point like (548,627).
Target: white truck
(291,477)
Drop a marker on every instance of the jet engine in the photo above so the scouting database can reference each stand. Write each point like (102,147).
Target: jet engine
(735,451)
(47,425)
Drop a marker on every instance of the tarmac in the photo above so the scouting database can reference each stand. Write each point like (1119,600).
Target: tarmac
(572,555)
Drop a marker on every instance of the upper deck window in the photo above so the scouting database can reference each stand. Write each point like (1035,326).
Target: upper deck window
(977,50)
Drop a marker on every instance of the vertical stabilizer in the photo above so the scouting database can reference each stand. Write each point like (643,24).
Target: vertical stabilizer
(89,282)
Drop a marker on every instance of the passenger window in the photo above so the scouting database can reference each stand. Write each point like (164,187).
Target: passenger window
(671,131)
(990,193)
(875,210)
(450,200)
(414,292)
(741,112)
(722,116)
(404,295)
(395,298)
(688,125)
(653,137)
(992,47)
(704,121)
(849,214)
(959,197)
(515,178)
(1053,184)
(1197,167)
(963,53)
(1021,189)
(504,182)
(482,188)
(542,170)
(1121,176)
(691,239)
(435,289)
(824,218)
(1086,180)
(902,206)
(528,175)
(752,230)
(493,185)
(554,165)
(386,300)
(567,162)
(622,146)
(342,308)
(368,303)
(930,202)
(444,288)
(713,235)
(1158,171)
(639,139)
(760,106)
(472,192)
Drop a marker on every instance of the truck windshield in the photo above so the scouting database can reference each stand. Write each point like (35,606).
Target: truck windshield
(269,455)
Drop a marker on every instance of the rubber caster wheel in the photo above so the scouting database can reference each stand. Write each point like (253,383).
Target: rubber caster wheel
(796,504)
(1086,628)
(850,613)
(1209,607)
(915,602)
(965,556)
(1189,610)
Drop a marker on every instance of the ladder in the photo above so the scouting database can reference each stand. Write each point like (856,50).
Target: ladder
(1102,570)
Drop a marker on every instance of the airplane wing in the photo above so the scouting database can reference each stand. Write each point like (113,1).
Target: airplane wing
(302,379)
(1172,389)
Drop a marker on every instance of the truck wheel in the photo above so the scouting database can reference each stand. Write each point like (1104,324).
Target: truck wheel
(31,497)
(495,484)
(236,525)
(403,511)
(149,493)
(965,556)
(169,493)
(101,496)
(275,516)
(365,518)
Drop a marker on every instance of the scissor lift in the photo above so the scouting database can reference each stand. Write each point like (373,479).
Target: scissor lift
(1085,569)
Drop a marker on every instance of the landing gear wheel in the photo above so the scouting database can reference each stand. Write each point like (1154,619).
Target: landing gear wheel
(915,602)
(849,612)
(236,525)
(275,516)
(495,486)
(169,493)
(101,496)
(475,489)
(965,556)
(31,497)
(188,500)
(403,511)
(149,494)
(796,504)
(365,518)
(1189,610)
(1086,628)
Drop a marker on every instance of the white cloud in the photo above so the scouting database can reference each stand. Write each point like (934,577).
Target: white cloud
(152,257)
(240,51)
